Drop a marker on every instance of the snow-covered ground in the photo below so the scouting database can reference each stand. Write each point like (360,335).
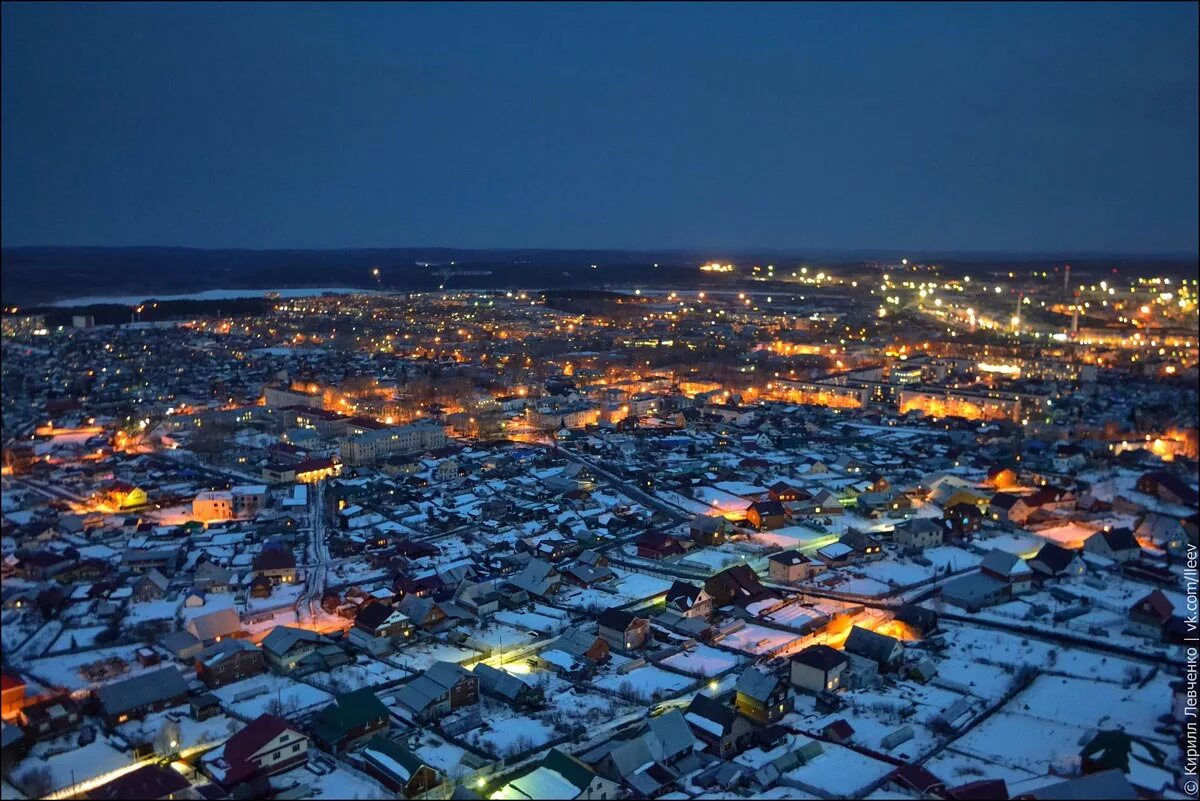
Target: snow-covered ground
(292,695)
(703,660)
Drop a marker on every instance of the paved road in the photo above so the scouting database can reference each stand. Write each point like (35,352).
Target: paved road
(319,544)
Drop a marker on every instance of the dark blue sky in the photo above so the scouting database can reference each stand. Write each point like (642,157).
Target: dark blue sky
(941,127)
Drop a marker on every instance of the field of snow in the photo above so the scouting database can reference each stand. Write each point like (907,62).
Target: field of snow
(63,670)
(757,639)
(72,639)
(209,294)
(649,682)
(294,696)
(635,586)
(505,733)
(840,772)
(704,660)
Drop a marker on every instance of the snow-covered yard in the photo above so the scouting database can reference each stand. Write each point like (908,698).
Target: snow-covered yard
(703,660)
(240,698)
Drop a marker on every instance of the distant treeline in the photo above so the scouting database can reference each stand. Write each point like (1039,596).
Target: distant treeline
(32,275)
(154,311)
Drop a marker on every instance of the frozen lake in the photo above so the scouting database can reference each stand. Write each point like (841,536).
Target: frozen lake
(212,294)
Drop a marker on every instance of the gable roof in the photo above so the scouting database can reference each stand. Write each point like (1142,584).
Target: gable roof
(149,781)
(1159,605)
(374,614)
(283,638)
(789,558)
(137,691)
(820,657)
(1003,563)
(871,644)
(756,684)
(616,619)
(348,711)
(709,715)
(1054,558)
(251,739)
(1120,539)
(218,623)
(392,757)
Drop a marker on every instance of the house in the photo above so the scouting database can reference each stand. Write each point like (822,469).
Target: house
(839,731)
(266,746)
(212,578)
(724,732)
(1069,457)
(657,545)
(650,762)
(397,768)
(260,587)
(204,706)
(960,521)
(352,719)
(709,530)
(423,613)
(148,781)
(818,668)
(558,776)
(287,647)
(214,626)
(150,586)
(1054,561)
(47,717)
(479,598)
(228,661)
(164,560)
(1009,569)
(381,620)
(1119,545)
(766,515)
(835,554)
(737,585)
(918,533)
(1007,507)
(888,503)
(879,648)
(1001,477)
(1017,509)
(140,695)
(788,567)
(575,649)
(1165,532)
(623,630)
(276,564)
(864,547)
(1150,615)
(920,621)
(582,574)
(505,686)
(12,694)
(786,493)
(441,689)
(1167,487)
(183,645)
(689,600)
(976,591)
(539,578)
(762,696)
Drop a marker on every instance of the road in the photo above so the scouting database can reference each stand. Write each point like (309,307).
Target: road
(638,494)
(319,549)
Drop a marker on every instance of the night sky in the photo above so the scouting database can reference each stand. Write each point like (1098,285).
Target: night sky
(973,128)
